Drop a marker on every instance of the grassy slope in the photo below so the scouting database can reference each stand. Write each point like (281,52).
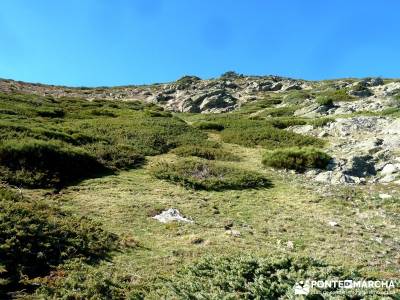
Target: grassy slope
(267,218)
(294,210)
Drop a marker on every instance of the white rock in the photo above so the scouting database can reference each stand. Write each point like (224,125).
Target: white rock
(323,134)
(232,232)
(333,223)
(290,245)
(385,196)
(388,178)
(171,215)
(389,169)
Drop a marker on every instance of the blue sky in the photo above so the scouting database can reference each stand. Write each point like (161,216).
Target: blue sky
(102,42)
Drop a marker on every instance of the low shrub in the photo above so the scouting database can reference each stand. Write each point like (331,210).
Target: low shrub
(36,163)
(334,95)
(156,113)
(204,152)
(206,175)
(246,277)
(103,112)
(51,113)
(209,126)
(297,96)
(77,280)
(269,137)
(279,111)
(324,101)
(116,157)
(286,122)
(296,158)
(320,122)
(35,237)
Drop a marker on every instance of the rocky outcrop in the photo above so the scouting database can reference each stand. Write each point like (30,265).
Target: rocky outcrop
(365,149)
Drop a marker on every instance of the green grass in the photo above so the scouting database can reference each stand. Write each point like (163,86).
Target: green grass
(199,174)
(298,159)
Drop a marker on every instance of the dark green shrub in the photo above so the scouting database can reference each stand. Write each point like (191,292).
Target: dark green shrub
(245,277)
(35,237)
(296,158)
(297,96)
(279,111)
(77,280)
(268,137)
(103,112)
(116,157)
(206,175)
(36,163)
(205,152)
(286,122)
(209,126)
(51,113)
(155,113)
(320,122)
(334,95)
(324,101)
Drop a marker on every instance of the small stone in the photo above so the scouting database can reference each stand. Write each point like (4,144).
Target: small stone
(232,232)
(333,224)
(388,178)
(389,169)
(385,196)
(323,134)
(170,215)
(290,245)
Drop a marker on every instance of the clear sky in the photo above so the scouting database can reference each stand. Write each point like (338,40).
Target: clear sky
(115,42)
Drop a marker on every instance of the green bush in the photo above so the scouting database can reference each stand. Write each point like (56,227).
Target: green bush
(36,163)
(51,113)
(205,152)
(296,158)
(35,237)
(269,137)
(206,175)
(334,95)
(209,126)
(102,112)
(155,113)
(297,96)
(320,122)
(77,280)
(245,277)
(324,101)
(116,157)
(285,122)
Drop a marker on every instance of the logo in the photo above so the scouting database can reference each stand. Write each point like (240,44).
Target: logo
(301,288)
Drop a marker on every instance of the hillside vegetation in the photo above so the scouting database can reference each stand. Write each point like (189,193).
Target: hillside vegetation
(287,180)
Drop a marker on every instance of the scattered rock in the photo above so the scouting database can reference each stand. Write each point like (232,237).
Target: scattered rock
(290,245)
(389,169)
(333,224)
(232,232)
(171,215)
(385,196)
